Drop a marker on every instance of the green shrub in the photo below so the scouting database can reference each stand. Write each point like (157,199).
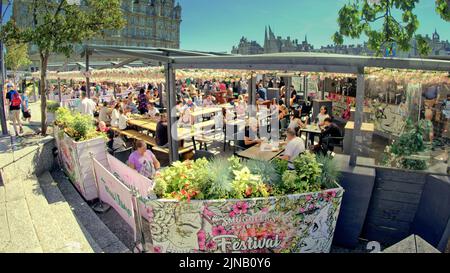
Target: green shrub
(52,106)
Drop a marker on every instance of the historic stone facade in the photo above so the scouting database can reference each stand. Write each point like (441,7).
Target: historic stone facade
(272,44)
(150,23)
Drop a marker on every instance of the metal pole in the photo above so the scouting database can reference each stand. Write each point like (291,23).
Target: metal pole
(356,137)
(139,220)
(288,92)
(172,112)
(88,85)
(3,78)
(98,207)
(59,91)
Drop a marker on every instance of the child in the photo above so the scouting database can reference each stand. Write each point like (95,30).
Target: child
(26,112)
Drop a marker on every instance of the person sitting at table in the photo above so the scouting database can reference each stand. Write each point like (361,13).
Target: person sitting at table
(123,118)
(142,102)
(151,110)
(250,137)
(104,113)
(320,120)
(208,102)
(296,121)
(327,139)
(115,115)
(143,160)
(156,97)
(295,146)
(283,111)
(162,134)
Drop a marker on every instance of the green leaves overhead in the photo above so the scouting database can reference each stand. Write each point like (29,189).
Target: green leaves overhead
(57,26)
(443,9)
(386,23)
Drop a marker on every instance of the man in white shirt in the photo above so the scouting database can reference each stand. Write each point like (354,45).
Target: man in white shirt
(123,119)
(87,106)
(152,110)
(294,148)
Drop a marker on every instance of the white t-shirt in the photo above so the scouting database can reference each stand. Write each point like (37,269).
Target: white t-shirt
(103,115)
(123,122)
(87,107)
(115,118)
(152,112)
(295,147)
(321,118)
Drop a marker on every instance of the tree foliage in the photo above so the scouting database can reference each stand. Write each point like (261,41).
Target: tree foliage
(16,56)
(443,9)
(378,21)
(58,26)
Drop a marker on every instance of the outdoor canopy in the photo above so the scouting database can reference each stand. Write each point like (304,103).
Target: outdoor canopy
(174,59)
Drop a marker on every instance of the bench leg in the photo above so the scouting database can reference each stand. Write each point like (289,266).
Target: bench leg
(193,142)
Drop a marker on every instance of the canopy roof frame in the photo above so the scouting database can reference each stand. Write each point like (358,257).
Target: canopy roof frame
(298,61)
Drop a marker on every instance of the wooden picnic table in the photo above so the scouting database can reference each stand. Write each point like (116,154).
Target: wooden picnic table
(205,111)
(257,152)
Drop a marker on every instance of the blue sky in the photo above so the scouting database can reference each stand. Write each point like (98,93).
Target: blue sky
(217,25)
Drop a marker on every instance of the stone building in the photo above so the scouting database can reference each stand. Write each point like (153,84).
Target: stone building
(272,44)
(149,23)
(247,47)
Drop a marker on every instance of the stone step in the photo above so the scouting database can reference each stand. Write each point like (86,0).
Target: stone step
(104,238)
(44,221)
(17,230)
(76,237)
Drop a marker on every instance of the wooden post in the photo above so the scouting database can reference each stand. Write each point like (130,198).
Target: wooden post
(88,85)
(172,112)
(356,138)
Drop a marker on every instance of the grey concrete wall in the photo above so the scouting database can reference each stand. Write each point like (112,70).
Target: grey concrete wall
(358,184)
(432,220)
(393,206)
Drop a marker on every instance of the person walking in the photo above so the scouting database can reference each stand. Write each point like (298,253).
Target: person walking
(87,105)
(15,102)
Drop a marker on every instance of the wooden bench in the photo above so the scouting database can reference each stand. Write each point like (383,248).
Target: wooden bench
(133,134)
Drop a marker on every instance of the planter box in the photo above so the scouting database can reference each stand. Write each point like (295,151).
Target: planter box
(50,117)
(293,223)
(77,163)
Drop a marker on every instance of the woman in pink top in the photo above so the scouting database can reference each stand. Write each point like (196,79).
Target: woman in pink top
(143,160)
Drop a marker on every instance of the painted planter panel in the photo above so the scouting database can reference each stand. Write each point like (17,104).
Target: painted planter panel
(294,223)
(77,162)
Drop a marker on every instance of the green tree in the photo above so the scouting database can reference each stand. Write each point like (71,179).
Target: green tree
(58,26)
(443,9)
(376,20)
(16,57)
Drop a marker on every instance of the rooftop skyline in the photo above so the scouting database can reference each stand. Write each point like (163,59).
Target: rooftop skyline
(217,25)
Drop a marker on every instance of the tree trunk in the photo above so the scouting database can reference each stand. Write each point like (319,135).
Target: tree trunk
(42,87)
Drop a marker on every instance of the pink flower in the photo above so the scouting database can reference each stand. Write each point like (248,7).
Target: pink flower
(240,207)
(232,214)
(243,235)
(251,232)
(311,206)
(219,230)
(201,236)
(157,249)
(308,197)
(302,210)
(207,212)
(211,245)
(332,193)
(271,236)
(265,210)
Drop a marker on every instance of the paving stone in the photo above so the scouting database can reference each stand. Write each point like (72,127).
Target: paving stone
(14,191)
(46,226)
(89,220)
(5,237)
(2,194)
(71,228)
(23,235)
(424,247)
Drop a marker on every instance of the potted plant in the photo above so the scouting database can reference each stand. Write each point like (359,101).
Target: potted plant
(76,137)
(231,206)
(52,107)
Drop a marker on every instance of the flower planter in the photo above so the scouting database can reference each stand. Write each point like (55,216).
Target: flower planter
(76,161)
(292,223)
